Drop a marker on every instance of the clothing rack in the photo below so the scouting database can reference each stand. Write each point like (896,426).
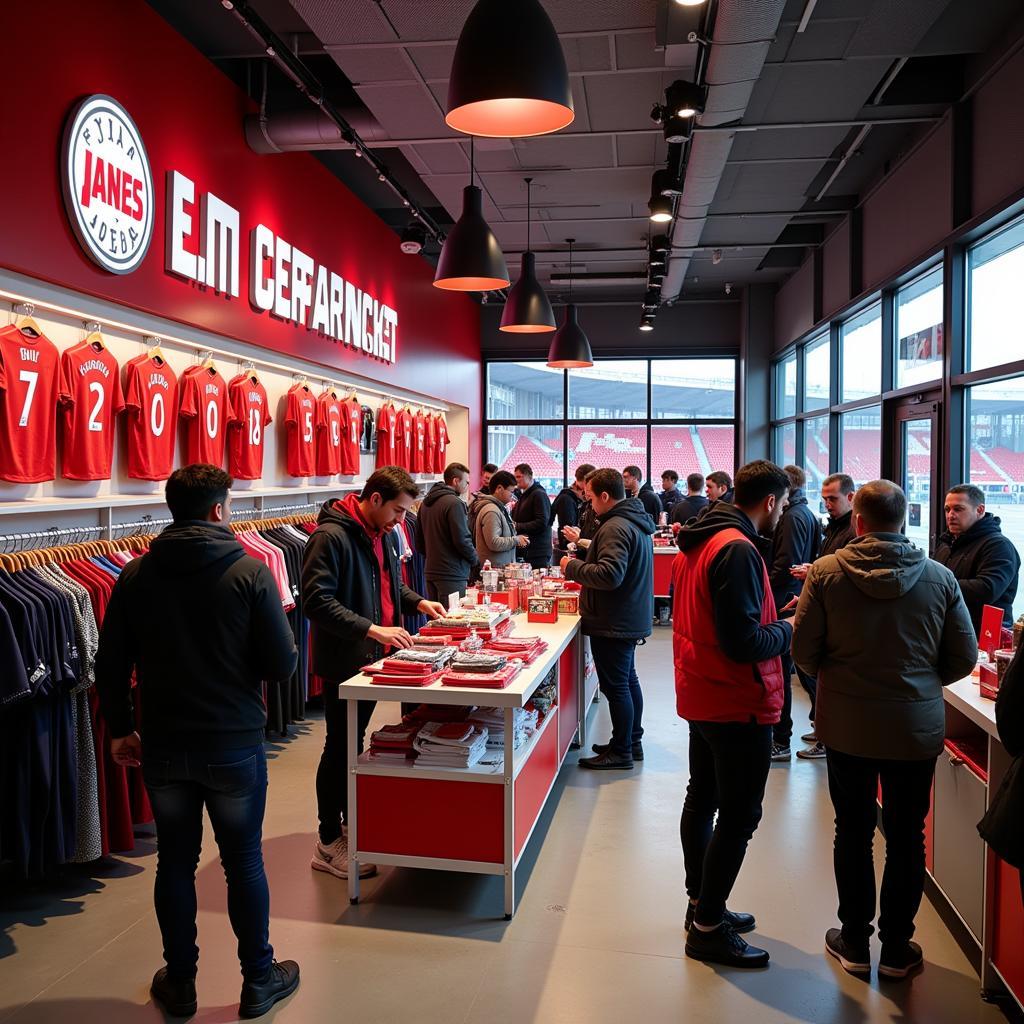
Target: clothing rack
(289,509)
(11,543)
(24,306)
(138,527)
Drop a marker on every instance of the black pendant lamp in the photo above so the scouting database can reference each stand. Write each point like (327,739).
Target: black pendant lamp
(471,259)
(570,349)
(527,310)
(509,77)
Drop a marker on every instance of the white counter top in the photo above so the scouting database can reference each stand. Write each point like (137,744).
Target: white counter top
(965,696)
(557,635)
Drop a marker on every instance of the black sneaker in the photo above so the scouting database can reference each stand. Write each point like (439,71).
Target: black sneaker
(740,923)
(854,958)
(259,996)
(638,750)
(899,960)
(607,762)
(724,946)
(781,753)
(176,995)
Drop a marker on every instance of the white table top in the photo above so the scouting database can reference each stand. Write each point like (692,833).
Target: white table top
(965,696)
(557,635)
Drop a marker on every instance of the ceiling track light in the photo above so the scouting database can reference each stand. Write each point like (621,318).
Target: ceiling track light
(661,209)
(471,259)
(570,347)
(661,243)
(677,129)
(509,78)
(646,323)
(527,309)
(689,3)
(685,99)
(413,238)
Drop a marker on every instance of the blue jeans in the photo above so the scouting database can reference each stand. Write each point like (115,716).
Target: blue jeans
(615,663)
(232,785)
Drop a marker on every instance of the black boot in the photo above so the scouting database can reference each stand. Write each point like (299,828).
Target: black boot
(638,750)
(741,923)
(259,996)
(607,762)
(724,946)
(176,995)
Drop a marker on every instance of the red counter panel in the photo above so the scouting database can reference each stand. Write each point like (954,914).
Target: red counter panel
(1008,929)
(662,574)
(533,784)
(568,695)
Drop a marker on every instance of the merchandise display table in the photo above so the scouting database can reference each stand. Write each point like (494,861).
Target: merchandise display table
(663,559)
(982,890)
(476,819)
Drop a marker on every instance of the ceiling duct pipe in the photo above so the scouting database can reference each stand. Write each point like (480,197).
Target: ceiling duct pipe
(304,130)
(745,29)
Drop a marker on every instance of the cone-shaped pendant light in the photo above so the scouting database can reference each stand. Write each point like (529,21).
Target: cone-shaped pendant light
(527,310)
(471,259)
(509,77)
(570,349)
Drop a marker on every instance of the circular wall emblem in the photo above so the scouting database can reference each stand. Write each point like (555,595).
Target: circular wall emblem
(108,186)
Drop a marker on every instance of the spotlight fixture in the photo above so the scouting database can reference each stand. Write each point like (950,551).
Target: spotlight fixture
(646,323)
(661,209)
(657,113)
(655,276)
(570,348)
(471,259)
(657,259)
(661,243)
(414,237)
(685,99)
(527,309)
(689,3)
(509,78)
(677,129)
(652,300)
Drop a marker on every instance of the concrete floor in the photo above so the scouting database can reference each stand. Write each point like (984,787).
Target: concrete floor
(597,937)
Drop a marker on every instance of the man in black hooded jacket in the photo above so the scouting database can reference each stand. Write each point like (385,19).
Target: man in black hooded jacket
(568,506)
(532,516)
(202,624)
(444,537)
(973,548)
(354,597)
(617,608)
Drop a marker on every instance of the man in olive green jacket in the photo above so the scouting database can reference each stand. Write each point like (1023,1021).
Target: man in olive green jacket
(883,628)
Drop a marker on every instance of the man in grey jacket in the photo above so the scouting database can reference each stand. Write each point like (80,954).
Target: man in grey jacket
(442,534)
(494,532)
(883,628)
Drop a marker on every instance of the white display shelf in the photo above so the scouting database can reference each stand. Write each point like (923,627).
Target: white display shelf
(965,696)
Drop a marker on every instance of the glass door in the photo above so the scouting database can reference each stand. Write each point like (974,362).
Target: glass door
(918,466)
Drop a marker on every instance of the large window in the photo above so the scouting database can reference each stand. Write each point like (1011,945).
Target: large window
(785,386)
(784,444)
(861,444)
(995,446)
(815,459)
(817,378)
(657,414)
(995,323)
(919,331)
(861,347)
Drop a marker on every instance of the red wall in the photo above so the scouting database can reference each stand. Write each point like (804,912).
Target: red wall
(190,117)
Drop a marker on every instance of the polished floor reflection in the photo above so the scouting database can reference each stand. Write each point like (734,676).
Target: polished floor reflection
(597,938)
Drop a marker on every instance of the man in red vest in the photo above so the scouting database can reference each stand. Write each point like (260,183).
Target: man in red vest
(726,645)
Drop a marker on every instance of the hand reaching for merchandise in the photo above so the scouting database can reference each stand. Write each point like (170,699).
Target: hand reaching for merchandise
(564,562)
(790,605)
(127,751)
(432,609)
(571,533)
(522,540)
(392,636)
(799,572)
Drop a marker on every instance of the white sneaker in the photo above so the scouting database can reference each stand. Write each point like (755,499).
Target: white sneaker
(333,858)
(810,737)
(812,753)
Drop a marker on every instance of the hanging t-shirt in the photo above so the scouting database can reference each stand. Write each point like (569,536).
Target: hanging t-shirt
(204,407)
(406,428)
(300,419)
(419,443)
(248,416)
(352,424)
(441,451)
(151,401)
(431,457)
(328,434)
(90,397)
(28,404)
(387,435)
(366,437)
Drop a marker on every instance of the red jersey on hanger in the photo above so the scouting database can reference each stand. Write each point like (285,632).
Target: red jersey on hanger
(28,404)
(443,439)
(431,459)
(405,427)
(352,424)
(204,407)
(151,401)
(387,436)
(420,462)
(328,434)
(90,398)
(248,415)
(300,420)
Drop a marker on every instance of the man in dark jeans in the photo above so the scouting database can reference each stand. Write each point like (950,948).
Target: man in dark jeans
(796,541)
(616,608)
(883,628)
(726,647)
(354,596)
(532,516)
(202,624)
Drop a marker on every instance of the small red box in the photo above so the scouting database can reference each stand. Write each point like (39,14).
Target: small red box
(568,604)
(988,677)
(541,609)
(509,597)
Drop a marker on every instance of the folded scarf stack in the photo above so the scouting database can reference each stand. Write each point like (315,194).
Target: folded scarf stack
(450,745)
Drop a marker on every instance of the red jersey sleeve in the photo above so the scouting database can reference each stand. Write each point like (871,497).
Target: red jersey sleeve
(189,390)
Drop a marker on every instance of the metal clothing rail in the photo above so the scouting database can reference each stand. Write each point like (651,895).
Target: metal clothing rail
(12,543)
(30,305)
(138,527)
